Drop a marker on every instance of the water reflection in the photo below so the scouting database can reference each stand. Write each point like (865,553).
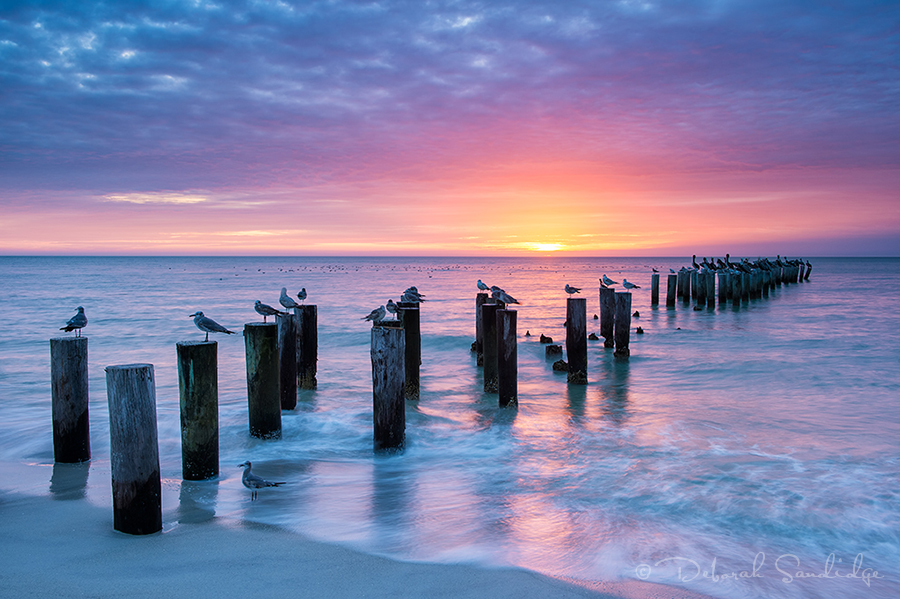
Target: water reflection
(197,501)
(391,503)
(613,389)
(69,481)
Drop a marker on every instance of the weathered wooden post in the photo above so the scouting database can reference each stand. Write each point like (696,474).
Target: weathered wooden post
(69,399)
(623,324)
(654,289)
(695,288)
(724,284)
(808,270)
(480,300)
(307,345)
(263,395)
(576,339)
(745,287)
(710,290)
(133,449)
(736,289)
(198,391)
(489,330)
(388,351)
(700,286)
(671,290)
(765,283)
(681,275)
(287,360)
(607,315)
(507,358)
(408,314)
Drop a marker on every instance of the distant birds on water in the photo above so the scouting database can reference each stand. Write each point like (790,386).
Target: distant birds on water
(76,323)
(254,482)
(208,325)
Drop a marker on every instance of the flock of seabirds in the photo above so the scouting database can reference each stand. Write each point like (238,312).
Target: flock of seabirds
(412,295)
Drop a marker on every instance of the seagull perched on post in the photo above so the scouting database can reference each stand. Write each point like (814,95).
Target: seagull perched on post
(608,282)
(482,286)
(208,325)
(302,295)
(253,482)
(504,297)
(76,323)
(572,290)
(376,315)
(286,300)
(391,306)
(266,310)
(628,285)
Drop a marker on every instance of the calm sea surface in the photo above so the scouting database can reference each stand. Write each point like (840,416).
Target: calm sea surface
(739,452)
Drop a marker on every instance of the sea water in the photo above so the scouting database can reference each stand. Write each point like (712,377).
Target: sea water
(739,452)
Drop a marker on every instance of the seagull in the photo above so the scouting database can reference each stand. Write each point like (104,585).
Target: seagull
(412,296)
(572,290)
(654,270)
(504,297)
(253,482)
(76,323)
(482,286)
(628,285)
(266,310)
(391,306)
(302,295)
(608,282)
(286,300)
(376,315)
(208,325)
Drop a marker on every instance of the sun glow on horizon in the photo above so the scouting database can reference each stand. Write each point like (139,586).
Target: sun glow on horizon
(535,246)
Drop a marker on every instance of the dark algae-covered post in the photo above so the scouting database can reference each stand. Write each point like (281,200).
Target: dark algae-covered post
(263,395)
(287,360)
(623,324)
(69,399)
(198,390)
(307,345)
(489,325)
(576,339)
(388,349)
(607,315)
(133,449)
(408,313)
(507,358)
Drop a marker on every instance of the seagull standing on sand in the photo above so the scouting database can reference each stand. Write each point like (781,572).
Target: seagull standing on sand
(572,290)
(265,310)
(376,315)
(76,323)
(253,482)
(628,285)
(286,300)
(608,282)
(302,295)
(482,286)
(208,325)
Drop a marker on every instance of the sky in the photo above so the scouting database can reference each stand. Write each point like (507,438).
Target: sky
(594,128)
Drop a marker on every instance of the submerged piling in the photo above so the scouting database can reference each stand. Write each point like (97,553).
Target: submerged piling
(507,358)
(69,399)
(408,314)
(307,345)
(607,315)
(623,324)
(489,329)
(287,360)
(654,289)
(576,339)
(198,392)
(134,449)
(388,349)
(671,290)
(263,395)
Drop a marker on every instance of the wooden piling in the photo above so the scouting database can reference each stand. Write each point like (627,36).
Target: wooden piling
(307,345)
(408,314)
(764,284)
(388,350)
(263,395)
(134,449)
(654,289)
(198,391)
(480,300)
(671,290)
(287,360)
(724,284)
(507,358)
(607,315)
(700,295)
(489,329)
(736,289)
(623,324)
(745,286)
(576,339)
(808,270)
(695,286)
(710,289)
(69,399)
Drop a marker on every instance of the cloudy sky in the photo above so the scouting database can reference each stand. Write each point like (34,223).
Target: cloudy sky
(343,127)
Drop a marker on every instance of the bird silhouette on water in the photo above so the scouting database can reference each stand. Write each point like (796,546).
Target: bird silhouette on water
(76,323)
(253,482)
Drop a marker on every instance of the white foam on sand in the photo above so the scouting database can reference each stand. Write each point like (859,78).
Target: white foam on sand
(60,543)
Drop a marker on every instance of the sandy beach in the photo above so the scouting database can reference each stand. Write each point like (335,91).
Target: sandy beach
(63,545)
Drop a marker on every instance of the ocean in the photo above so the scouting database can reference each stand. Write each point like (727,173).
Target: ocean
(738,452)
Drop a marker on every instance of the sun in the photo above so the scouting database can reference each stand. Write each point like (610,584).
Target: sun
(544,247)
